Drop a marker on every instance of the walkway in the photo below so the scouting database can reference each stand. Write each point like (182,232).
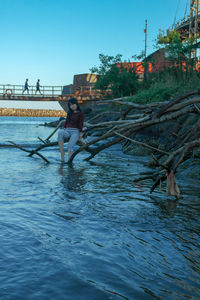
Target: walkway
(48,93)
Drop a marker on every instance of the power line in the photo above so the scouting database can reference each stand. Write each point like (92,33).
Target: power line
(177,7)
(186,8)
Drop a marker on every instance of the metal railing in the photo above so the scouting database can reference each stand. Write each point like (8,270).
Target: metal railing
(53,93)
(17,90)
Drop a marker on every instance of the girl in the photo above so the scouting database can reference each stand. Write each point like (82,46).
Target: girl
(72,128)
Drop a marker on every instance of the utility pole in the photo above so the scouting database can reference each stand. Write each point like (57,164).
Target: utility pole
(145,51)
(145,32)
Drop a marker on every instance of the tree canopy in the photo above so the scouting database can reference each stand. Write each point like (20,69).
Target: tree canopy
(116,78)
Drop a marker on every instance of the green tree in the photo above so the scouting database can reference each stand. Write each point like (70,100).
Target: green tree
(115,77)
(179,52)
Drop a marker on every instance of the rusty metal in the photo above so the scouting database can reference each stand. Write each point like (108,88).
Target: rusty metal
(190,27)
(194,19)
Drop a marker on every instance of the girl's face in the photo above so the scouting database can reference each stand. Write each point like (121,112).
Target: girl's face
(73,106)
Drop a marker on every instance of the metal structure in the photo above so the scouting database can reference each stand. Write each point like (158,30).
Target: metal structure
(194,19)
(190,27)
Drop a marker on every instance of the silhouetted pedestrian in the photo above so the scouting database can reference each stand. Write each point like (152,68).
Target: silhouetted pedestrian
(38,86)
(26,87)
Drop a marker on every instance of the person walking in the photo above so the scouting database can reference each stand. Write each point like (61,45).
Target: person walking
(26,87)
(72,128)
(38,87)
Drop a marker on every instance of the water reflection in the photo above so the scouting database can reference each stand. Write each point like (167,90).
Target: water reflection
(166,206)
(171,207)
(72,177)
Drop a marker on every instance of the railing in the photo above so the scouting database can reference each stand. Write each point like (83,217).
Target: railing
(17,90)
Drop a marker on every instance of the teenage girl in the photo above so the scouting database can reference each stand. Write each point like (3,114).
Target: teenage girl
(72,128)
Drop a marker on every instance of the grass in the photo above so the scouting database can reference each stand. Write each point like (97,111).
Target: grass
(166,88)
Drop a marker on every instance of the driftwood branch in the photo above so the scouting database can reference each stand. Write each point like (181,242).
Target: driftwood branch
(141,144)
(25,150)
(54,131)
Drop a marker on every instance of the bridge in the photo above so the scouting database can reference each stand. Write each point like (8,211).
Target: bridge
(86,95)
(15,92)
(48,93)
(184,28)
(189,26)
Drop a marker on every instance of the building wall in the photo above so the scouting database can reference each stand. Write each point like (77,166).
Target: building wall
(158,60)
(85,79)
(67,89)
(81,82)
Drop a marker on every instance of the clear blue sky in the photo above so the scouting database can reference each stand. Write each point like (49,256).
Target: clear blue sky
(52,40)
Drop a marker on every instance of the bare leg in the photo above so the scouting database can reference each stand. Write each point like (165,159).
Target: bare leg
(62,152)
(69,154)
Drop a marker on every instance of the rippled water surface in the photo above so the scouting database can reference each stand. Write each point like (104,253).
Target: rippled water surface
(86,232)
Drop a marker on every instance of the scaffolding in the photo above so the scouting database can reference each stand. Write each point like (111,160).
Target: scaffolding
(194,30)
(190,27)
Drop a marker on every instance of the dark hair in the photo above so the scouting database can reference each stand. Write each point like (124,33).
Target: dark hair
(70,111)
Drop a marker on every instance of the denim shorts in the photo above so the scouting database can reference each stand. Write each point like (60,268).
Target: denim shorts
(71,133)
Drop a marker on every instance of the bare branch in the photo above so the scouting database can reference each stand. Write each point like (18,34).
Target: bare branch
(141,144)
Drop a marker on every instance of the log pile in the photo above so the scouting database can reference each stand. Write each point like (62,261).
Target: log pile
(134,119)
(166,161)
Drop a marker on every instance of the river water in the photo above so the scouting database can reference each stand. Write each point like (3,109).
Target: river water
(85,231)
